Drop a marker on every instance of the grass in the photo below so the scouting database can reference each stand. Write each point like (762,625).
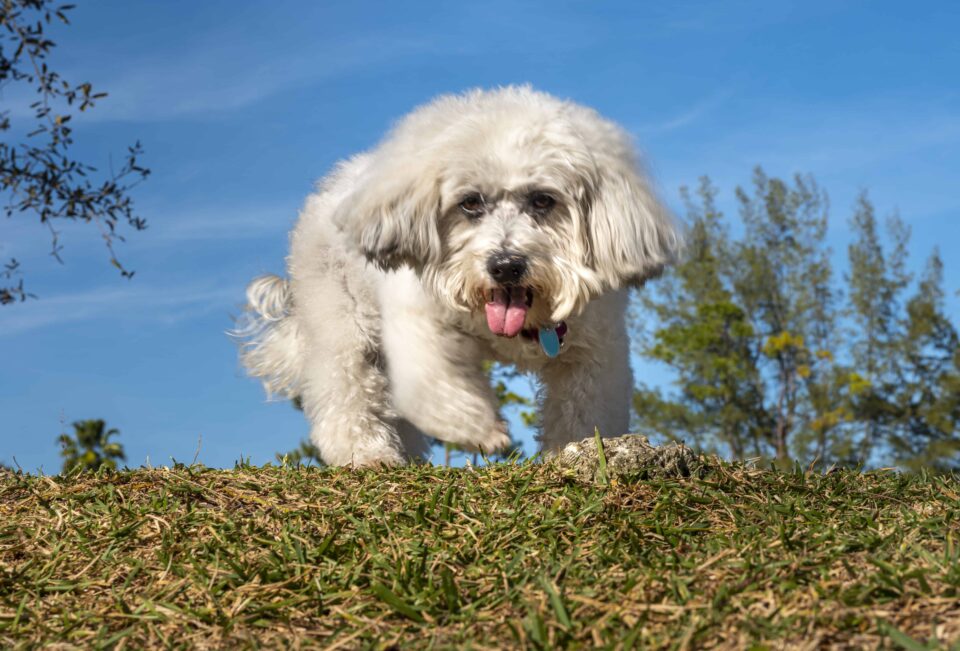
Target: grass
(502,556)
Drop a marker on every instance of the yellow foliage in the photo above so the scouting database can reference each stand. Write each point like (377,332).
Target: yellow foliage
(776,344)
(857,383)
(830,419)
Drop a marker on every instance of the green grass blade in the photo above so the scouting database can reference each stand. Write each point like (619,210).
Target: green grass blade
(556,602)
(394,601)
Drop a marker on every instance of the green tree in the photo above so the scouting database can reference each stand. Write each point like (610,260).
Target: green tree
(926,400)
(90,447)
(877,280)
(783,280)
(768,361)
(705,337)
(744,324)
(39,176)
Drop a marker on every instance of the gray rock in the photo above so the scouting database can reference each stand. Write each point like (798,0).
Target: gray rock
(629,457)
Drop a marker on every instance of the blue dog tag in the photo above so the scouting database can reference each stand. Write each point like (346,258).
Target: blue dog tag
(549,341)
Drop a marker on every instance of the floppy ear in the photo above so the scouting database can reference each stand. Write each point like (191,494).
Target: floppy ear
(391,213)
(632,235)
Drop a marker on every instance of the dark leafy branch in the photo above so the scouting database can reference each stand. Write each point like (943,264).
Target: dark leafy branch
(39,176)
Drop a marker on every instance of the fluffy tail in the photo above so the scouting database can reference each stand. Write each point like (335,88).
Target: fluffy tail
(269,338)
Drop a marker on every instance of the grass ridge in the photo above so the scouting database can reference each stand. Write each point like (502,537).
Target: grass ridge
(508,555)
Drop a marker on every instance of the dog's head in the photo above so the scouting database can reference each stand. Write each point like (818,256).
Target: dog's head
(510,202)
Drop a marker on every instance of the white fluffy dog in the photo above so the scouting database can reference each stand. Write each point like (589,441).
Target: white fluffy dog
(498,225)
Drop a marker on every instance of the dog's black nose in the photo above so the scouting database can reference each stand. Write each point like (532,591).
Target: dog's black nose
(506,269)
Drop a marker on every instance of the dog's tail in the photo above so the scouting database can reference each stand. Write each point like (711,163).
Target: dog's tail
(269,336)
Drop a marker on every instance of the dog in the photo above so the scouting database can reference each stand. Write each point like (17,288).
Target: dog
(503,225)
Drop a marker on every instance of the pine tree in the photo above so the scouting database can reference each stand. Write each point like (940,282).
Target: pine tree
(704,335)
(767,360)
(927,399)
(748,326)
(877,280)
(783,280)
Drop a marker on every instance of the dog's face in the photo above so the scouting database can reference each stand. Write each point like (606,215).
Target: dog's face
(512,204)
(513,244)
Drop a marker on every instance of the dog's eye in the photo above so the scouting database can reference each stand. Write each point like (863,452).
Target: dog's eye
(472,204)
(542,201)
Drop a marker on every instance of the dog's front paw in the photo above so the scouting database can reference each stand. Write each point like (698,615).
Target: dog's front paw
(376,464)
(389,459)
(497,440)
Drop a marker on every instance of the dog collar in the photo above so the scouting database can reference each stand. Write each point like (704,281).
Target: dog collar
(550,339)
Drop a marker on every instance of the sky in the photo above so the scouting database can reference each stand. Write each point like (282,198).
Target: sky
(241,107)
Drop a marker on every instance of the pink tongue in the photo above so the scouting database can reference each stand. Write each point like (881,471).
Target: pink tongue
(506,312)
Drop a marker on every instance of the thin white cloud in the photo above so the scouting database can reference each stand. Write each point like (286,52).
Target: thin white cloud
(224,66)
(859,139)
(690,116)
(891,150)
(30,244)
(136,302)
(219,223)
(223,75)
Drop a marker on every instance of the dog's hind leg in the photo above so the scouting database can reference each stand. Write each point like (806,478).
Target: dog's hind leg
(344,388)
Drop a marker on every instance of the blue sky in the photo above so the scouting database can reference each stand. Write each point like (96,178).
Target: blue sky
(242,106)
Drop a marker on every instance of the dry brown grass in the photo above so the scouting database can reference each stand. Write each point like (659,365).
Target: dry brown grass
(504,556)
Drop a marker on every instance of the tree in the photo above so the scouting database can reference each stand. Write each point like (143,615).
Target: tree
(90,447)
(784,285)
(769,363)
(39,176)
(927,397)
(705,337)
(745,324)
(877,279)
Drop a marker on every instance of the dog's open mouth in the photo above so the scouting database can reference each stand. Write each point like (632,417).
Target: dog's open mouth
(507,309)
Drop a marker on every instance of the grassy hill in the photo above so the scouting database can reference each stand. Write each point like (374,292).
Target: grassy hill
(509,555)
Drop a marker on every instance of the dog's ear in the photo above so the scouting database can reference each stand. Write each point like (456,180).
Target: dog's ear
(632,234)
(391,214)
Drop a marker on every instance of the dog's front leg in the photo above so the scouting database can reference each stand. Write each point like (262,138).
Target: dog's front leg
(437,381)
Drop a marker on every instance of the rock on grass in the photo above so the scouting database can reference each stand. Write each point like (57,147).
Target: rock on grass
(629,457)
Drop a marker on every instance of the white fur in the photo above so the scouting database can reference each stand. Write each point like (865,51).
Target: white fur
(380,328)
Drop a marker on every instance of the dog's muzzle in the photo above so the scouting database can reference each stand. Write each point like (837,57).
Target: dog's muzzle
(506,268)
(510,300)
